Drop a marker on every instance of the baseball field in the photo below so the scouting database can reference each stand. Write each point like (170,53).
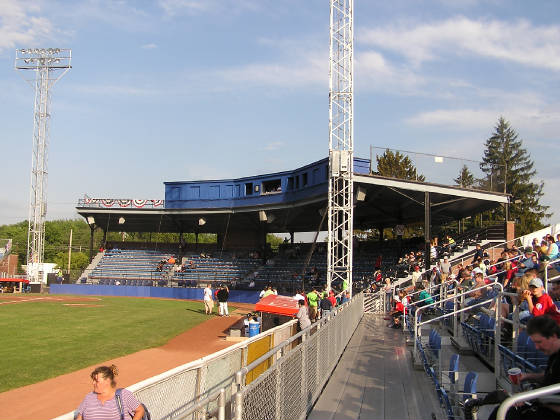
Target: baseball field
(44,336)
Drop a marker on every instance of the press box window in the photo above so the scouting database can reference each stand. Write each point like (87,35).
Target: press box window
(304,180)
(271,187)
(249,188)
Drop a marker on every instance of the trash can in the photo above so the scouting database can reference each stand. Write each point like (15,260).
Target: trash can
(254,328)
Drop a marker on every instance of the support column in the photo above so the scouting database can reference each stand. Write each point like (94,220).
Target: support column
(92,228)
(427,230)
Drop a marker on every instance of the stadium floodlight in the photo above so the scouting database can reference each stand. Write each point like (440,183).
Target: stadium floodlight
(90,220)
(121,220)
(201,221)
(44,63)
(341,146)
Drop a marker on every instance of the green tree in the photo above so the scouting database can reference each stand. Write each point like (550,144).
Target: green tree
(510,168)
(79,260)
(465,179)
(397,165)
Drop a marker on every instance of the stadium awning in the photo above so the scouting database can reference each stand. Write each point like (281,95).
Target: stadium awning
(281,305)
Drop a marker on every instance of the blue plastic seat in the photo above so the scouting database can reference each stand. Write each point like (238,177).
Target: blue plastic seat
(469,390)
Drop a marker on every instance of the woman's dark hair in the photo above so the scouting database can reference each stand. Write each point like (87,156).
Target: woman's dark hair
(543,325)
(107,372)
(301,302)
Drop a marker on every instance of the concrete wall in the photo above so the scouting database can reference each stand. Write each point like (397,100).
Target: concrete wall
(242,296)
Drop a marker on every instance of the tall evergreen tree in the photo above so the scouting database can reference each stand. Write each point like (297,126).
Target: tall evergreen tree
(397,165)
(465,178)
(506,162)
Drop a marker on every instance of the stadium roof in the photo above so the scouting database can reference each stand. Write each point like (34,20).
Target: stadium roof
(387,202)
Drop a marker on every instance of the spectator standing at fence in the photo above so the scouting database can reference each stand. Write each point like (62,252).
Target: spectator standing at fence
(445,269)
(223,296)
(313,299)
(299,295)
(208,301)
(101,402)
(388,289)
(326,307)
(303,315)
(540,303)
(416,275)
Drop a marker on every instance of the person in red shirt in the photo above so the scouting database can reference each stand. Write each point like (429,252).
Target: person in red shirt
(539,302)
(332,298)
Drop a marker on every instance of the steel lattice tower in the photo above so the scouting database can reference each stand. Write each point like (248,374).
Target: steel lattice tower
(45,63)
(341,147)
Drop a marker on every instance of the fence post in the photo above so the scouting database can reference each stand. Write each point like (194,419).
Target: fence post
(497,335)
(222,404)
(238,406)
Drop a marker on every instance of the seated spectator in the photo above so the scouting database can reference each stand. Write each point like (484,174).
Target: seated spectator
(401,302)
(479,292)
(540,303)
(545,333)
(554,292)
(551,249)
(526,263)
(424,297)
(478,253)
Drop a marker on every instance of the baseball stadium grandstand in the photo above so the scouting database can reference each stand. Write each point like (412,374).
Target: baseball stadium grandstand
(443,358)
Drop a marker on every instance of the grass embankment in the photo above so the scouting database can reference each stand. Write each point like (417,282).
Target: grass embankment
(41,340)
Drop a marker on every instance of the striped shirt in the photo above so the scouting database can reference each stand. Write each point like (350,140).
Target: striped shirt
(92,409)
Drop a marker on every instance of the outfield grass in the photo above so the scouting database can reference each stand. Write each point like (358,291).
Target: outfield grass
(41,340)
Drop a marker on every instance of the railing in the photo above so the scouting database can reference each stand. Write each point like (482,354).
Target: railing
(108,203)
(173,393)
(207,385)
(289,388)
(525,396)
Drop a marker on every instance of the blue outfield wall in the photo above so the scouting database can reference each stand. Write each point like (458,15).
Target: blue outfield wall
(242,296)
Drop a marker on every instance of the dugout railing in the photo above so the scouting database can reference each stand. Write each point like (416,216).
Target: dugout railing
(212,383)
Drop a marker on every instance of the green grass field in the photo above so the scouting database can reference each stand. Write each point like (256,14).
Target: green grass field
(41,340)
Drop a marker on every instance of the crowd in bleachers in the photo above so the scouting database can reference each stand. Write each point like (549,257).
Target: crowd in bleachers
(520,286)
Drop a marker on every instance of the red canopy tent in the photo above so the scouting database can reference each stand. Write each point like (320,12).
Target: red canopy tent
(15,280)
(280,305)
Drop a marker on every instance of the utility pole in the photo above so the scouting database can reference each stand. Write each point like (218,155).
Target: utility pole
(44,62)
(69,252)
(341,148)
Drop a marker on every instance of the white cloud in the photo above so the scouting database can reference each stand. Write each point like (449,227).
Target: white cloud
(20,25)
(310,69)
(373,71)
(149,46)
(275,145)
(459,118)
(519,41)
(105,90)
(174,8)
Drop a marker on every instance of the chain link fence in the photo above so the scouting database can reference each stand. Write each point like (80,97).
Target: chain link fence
(296,369)
(290,387)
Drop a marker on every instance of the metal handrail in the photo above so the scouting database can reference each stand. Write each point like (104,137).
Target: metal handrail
(525,396)
(219,395)
(457,311)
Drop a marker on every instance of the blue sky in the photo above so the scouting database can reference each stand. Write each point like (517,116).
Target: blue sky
(174,90)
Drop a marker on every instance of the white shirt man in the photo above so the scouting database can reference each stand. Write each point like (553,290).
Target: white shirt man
(208,301)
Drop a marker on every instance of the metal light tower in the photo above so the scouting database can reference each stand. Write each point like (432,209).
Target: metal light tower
(341,147)
(45,62)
